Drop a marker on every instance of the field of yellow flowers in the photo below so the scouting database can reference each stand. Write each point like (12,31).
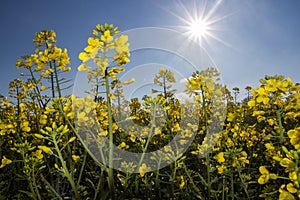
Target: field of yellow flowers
(50,147)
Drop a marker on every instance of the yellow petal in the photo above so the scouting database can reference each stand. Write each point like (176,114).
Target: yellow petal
(84,67)
(263,170)
(46,149)
(83,57)
(44,88)
(263,179)
(290,187)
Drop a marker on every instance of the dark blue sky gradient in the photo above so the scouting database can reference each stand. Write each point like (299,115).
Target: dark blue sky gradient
(263,37)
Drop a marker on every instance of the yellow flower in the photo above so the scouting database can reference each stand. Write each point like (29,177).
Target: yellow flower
(143,169)
(293,176)
(269,146)
(132,138)
(44,88)
(271,122)
(19,63)
(168,148)
(84,67)
(229,142)
(182,182)
(46,149)
(290,187)
(43,119)
(285,195)
(95,33)
(121,59)
(129,81)
(123,145)
(176,127)
(258,113)
(83,56)
(94,42)
(25,126)
(106,37)
(283,86)
(114,71)
(220,157)
(121,45)
(285,162)
(39,154)
(251,103)
(221,169)
(271,85)
(5,161)
(230,117)
(210,84)
(262,96)
(264,178)
(75,158)
(294,136)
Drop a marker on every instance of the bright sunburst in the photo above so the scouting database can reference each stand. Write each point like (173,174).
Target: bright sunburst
(198,29)
(201,22)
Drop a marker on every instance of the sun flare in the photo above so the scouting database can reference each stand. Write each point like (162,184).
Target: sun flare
(198,29)
(201,20)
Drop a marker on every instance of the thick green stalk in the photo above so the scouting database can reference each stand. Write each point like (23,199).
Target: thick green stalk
(110,133)
(207,155)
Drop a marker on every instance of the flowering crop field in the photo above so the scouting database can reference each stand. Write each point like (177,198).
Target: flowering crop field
(51,149)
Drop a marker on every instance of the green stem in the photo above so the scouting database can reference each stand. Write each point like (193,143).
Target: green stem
(50,187)
(150,136)
(223,188)
(65,168)
(243,182)
(296,167)
(232,186)
(52,82)
(56,80)
(207,158)
(157,181)
(281,137)
(192,182)
(32,190)
(111,140)
(98,185)
(173,179)
(35,185)
(208,175)
(40,101)
(82,168)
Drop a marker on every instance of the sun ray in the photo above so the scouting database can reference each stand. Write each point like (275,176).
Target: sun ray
(214,9)
(200,20)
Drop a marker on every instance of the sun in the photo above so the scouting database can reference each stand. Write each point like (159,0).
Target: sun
(201,20)
(198,29)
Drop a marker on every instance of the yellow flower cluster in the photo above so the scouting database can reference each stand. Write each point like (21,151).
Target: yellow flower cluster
(100,45)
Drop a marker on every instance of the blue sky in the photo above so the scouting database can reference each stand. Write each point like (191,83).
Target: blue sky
(261,37)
